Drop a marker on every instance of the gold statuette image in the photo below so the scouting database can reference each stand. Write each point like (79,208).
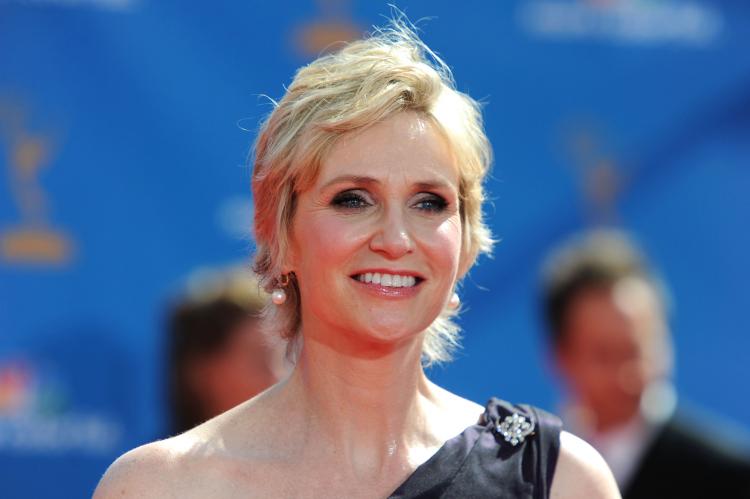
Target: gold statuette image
(31,239)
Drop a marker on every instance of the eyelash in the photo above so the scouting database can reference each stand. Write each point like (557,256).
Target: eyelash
(437,204)
(351,200)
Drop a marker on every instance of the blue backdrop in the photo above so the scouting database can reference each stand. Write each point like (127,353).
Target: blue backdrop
(124,131)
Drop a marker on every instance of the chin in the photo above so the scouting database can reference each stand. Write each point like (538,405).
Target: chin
(388,332)
(382,337)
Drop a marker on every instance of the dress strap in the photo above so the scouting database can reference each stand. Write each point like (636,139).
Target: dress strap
(547,446)
(538,430)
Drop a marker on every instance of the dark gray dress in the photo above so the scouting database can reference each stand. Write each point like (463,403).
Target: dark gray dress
(510,453)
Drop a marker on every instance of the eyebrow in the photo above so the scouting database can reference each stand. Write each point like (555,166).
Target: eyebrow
(355,179)
(362,180)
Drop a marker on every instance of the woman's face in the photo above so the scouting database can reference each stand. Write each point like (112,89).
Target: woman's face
(376,241)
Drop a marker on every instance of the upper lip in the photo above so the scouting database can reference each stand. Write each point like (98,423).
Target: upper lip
(388,271)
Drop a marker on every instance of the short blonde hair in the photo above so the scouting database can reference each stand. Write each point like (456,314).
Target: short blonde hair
(366,82)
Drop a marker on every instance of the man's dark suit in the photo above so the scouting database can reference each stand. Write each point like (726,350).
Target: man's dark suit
(686,460)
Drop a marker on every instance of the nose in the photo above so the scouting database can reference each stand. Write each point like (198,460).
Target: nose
(392,238)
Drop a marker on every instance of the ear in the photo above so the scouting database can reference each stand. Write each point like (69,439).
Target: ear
(288,261)
(465,262)
(290,254)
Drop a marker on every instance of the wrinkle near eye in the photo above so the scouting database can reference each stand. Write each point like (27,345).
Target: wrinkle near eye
(319,202)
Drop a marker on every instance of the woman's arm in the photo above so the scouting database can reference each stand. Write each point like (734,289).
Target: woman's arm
(581,472)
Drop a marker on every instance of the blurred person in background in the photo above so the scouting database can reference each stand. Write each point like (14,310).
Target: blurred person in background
(607,317)
(218,356)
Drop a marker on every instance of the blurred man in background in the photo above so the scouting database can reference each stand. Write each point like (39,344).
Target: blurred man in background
(218,357)
(606,314)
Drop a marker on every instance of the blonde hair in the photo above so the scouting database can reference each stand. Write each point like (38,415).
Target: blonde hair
(366,82)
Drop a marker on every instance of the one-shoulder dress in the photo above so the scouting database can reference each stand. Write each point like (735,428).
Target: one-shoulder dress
(510,453)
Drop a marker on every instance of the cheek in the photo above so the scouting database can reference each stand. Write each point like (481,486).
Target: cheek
(322,241)
(445,242)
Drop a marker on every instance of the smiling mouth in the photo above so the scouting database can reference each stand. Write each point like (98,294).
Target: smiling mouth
(388,280)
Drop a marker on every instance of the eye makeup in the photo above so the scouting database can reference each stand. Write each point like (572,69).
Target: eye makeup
(351,199)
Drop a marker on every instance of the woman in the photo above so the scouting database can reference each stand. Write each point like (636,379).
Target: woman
(367,184)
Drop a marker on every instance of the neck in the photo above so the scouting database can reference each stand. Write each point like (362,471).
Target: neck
(370,410)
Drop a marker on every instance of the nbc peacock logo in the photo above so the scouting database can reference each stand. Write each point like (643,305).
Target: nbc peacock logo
(37,417)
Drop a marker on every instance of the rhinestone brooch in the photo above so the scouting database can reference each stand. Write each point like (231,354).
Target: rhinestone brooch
(515,428)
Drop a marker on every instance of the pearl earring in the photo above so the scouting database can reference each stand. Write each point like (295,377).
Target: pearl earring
(454,302)
(278,295)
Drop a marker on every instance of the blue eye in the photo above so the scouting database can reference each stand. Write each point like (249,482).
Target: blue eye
(350,200)
(432,203)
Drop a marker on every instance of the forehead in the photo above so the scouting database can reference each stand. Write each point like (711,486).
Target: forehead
(404,147)
(629,311)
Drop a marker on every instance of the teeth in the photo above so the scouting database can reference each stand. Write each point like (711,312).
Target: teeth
(388,280)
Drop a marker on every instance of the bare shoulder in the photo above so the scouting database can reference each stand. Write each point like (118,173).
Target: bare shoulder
(174,467)
(459,407)
(581,472)
(219,458)
(141,472)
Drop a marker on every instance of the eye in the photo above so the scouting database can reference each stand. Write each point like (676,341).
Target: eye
(351,200)
(431,203)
